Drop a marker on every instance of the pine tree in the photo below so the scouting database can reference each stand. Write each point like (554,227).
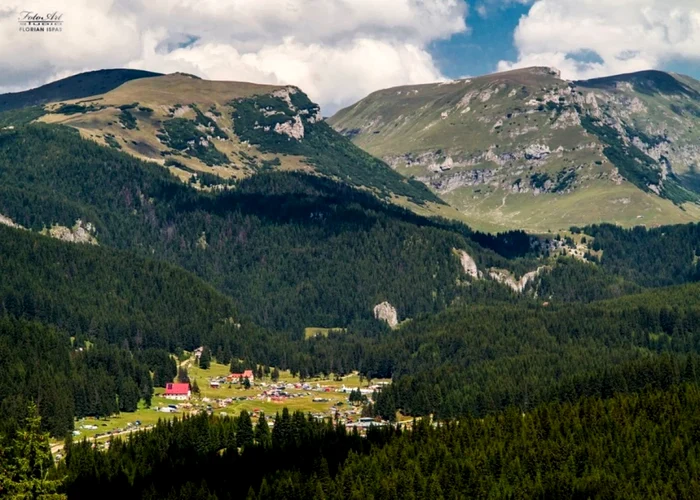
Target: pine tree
(205,359)
(244,430)
(25,468)
(262,432)
(236,366)
(275,374)
(128,395)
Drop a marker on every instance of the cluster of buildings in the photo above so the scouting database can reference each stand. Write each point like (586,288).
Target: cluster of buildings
(183,392)
(280,392)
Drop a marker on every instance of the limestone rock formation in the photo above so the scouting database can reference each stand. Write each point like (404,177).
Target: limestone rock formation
(6,221)
(81,232)
(468,264)
(387,313)
(517,286)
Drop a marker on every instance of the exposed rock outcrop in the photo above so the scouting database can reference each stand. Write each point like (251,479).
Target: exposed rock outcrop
(6,221)
(445,184)
(294,129)
(387,313)
(468,264)
(81,232)
(518,286)
(284,94)
(202,243)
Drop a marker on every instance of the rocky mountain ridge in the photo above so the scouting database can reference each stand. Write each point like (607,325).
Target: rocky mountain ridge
(210,134)
(523,148)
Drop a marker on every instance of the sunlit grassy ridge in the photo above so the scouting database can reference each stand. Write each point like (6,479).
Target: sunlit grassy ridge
(522,149)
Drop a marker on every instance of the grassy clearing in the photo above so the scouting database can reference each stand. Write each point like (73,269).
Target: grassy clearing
(312,332)
(600,202)
(299,400)
(147,417)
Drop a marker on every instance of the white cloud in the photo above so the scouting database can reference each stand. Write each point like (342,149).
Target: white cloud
(336,50)
(590,38)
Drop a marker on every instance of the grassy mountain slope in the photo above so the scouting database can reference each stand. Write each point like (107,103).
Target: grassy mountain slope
(527,149)
(213,133)
(73,87)
(292,249)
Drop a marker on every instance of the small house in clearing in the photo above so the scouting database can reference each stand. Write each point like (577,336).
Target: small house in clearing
(177,391)
(237,378)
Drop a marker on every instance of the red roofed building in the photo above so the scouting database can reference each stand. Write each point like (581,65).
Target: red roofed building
(177,391)
(249,375)
(238,377)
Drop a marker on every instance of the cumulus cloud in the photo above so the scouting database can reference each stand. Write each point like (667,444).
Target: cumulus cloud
(336,50)
(590,38)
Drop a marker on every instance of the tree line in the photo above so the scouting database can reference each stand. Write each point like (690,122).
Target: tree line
(640,445)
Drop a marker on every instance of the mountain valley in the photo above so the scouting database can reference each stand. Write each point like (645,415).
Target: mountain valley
(485,283)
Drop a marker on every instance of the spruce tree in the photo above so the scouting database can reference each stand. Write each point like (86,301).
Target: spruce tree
(244,430)
(262,432)
(205,359)
(27,463)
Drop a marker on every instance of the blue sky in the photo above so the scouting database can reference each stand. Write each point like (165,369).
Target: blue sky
(338,51)
(489,39)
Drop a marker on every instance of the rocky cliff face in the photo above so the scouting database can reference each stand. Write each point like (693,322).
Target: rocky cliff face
(468,264)
(517,285)
(521,145)
(6,221)
(387,313)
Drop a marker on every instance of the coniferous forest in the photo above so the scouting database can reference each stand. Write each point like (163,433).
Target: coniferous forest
(642,445)
(584,384)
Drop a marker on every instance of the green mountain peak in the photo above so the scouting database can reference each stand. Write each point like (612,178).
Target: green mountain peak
(525,149)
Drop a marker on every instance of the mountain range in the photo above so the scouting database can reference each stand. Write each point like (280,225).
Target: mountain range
(145,218)
(529,150)
(247,187)
(521,150)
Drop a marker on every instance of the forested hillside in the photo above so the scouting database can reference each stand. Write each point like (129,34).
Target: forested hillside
(42,364)
(630,446)
(479,360)
(87,330)
(292,250)
(98,293)
(661,256)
